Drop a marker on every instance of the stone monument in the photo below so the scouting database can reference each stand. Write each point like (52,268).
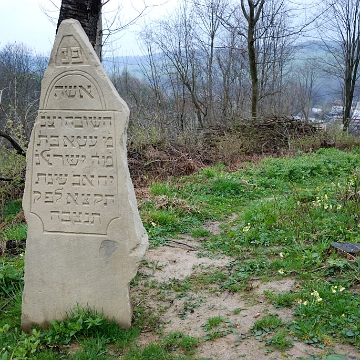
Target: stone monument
(85,237)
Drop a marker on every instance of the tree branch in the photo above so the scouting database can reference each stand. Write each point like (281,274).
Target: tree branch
(6,179)
(15,144)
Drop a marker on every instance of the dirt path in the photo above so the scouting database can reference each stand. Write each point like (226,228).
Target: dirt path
(189,312)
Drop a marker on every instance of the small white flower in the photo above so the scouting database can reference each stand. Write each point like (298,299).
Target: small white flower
(281,271)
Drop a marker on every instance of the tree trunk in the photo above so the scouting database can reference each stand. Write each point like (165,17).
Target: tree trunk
(344,32)
(253,75)
(88,13)
(350,79)
(252,16)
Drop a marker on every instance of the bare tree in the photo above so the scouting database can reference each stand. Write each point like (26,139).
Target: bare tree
(275,50)
(232,63)
(266,26)
(341,36)
(252,15)
(176,39)
(208,20)
(305,83)
(20,75)
(21,72)
(153,68)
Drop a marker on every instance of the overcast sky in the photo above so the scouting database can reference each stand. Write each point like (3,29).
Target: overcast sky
(24,21)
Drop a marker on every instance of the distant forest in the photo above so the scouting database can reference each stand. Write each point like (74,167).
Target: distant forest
(216,63)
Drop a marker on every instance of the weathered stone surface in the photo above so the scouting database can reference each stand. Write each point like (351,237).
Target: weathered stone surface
(85,236)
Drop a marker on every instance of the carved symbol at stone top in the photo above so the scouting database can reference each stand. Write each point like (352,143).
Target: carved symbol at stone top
(71,55)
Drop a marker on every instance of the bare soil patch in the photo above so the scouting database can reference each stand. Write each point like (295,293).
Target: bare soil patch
(189,312)
(176,262)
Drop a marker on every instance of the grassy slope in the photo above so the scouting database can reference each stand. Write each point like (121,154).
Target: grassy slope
(287,211)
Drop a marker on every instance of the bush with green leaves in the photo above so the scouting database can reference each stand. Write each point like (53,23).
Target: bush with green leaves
(12,168)
(11,277)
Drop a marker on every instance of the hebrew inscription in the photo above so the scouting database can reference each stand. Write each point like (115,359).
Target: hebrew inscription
(74,90)
(85,237)
(74,178)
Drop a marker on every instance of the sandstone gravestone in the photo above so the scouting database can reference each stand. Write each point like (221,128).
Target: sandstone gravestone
(85,236)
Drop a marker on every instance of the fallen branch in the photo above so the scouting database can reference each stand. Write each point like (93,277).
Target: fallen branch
(181,243)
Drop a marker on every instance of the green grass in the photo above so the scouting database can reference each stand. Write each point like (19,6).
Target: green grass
(15,231)
(10,230)
(11,276)
(11,209)
(288,211)
(217,327)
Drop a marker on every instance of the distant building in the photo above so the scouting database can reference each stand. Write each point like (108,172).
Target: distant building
(336,110)
(356,113)
(355,119)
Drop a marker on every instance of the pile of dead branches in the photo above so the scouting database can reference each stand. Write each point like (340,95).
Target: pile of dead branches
(227,144)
